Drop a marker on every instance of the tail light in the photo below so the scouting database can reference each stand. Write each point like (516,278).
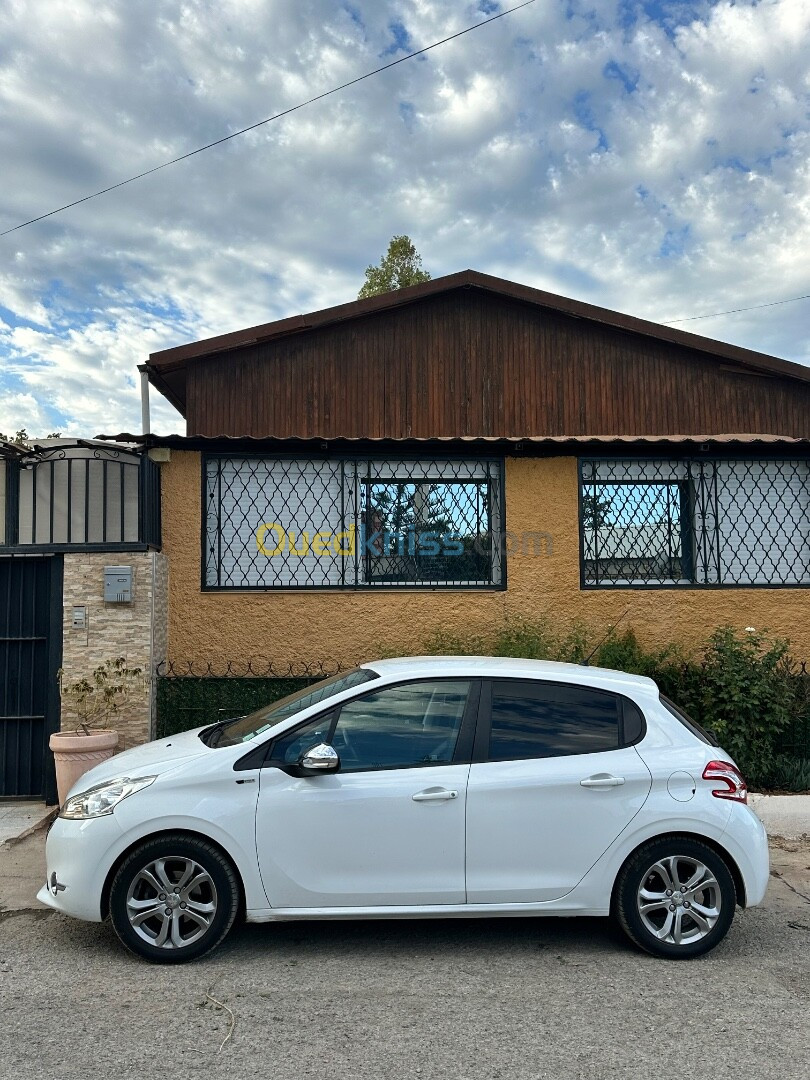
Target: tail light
(724,772)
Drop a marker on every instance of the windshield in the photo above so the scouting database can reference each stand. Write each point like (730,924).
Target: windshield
(244,728)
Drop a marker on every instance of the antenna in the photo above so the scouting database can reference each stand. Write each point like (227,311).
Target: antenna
(600,643)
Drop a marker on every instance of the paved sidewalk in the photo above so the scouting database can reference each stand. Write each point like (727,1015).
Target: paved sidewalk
(17,818)
(783,815)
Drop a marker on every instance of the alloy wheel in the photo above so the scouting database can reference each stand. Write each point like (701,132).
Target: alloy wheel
(679,900)
(171,902)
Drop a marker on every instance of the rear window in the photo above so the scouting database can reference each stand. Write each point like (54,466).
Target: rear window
(692,725)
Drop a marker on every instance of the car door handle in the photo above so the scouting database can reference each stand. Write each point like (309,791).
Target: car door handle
(602,781)
(434,796)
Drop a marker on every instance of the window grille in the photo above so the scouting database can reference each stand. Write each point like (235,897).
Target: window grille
(695,522)
(351,523)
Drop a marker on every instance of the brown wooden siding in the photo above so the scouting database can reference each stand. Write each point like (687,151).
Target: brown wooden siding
(470,363)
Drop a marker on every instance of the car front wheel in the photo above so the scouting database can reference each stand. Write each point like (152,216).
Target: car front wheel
(675,897)
(173,899)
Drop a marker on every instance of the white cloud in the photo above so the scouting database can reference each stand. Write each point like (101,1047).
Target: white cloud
(658,169)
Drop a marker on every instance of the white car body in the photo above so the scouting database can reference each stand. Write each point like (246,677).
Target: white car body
(521,837)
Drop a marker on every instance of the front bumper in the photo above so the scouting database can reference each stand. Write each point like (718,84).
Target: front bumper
(78,857)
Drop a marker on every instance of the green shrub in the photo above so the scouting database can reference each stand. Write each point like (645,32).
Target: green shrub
(742,685)
(444,643)
(742,688)
(785,773)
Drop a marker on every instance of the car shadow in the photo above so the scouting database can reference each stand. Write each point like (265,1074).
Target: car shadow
(423,937)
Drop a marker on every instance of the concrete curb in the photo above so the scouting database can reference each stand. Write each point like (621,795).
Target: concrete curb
(38,826)
(787,816)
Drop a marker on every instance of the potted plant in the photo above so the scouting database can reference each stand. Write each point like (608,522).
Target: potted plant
(94,700)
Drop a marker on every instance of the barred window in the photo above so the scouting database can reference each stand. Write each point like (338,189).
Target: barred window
(351,523)
(695,522)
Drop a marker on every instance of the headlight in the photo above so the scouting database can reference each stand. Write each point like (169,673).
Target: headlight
(103,799)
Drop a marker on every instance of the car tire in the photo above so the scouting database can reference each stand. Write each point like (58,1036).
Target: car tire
(173,899)
(675,897)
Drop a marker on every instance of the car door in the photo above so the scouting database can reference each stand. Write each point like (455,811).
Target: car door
(553,783)
(388,827)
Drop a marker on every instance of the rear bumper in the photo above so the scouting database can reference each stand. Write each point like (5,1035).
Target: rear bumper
(746,841)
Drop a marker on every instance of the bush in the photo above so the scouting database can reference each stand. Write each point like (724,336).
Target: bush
(743,690)
(744,686)
(785,773)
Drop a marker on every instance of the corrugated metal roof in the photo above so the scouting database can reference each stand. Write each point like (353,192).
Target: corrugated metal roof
(484,440)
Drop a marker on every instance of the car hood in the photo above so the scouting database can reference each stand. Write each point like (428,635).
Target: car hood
(150,759)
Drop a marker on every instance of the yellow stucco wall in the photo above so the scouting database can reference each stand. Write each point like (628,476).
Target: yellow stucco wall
(541,495)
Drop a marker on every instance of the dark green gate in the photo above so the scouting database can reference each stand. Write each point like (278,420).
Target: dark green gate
(30,655)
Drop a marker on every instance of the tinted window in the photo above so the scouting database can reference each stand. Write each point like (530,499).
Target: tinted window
(536,720)
(398,727)
(632,722)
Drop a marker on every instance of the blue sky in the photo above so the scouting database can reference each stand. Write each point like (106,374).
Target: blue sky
(647,156)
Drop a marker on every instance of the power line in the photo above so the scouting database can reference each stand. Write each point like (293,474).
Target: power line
(733,311)
(269,119)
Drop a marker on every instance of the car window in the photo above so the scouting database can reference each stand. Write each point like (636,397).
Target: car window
(396,727)
(697,729)
(245,728)
(537,720)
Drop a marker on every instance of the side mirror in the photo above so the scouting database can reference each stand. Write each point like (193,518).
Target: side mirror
(320,758)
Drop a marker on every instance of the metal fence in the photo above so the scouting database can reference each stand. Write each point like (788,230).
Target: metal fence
(190,695)
(794,741)
(351,523)
(686,522)
(80,496)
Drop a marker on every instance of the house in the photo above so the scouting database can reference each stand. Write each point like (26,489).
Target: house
(462,451)
(443,457)
(77,517)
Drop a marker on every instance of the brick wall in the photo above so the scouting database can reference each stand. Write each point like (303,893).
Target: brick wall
(136,631)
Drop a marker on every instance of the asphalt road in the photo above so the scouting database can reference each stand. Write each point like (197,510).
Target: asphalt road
(509,998)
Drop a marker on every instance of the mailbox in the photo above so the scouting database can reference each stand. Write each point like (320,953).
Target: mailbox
(117,584)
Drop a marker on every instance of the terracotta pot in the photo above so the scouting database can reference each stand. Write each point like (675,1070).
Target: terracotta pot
(75,754)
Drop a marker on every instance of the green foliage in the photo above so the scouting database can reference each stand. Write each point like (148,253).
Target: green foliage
(101,695)
(445,643)
(399,267)
(785,773)
(23,439)
(744,686)
(743,691)
(595,511)
(188,701)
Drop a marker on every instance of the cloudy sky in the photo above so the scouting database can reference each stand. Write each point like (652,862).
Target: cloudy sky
(652,157)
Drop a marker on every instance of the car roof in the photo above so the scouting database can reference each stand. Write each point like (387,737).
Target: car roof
(510,667)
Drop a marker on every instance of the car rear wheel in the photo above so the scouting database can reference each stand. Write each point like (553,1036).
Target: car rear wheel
(675,897)
(173,899)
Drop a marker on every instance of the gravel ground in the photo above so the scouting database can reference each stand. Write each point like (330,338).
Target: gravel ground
(511,998)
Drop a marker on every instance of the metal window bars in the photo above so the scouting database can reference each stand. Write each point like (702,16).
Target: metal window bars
(75,496)
(352,523)
(686,521)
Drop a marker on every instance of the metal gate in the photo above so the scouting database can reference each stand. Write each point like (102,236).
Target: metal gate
(30,655)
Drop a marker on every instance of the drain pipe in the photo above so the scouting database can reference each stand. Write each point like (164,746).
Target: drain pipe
(145,428)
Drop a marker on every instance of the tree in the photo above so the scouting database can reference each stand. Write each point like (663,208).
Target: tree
(595,511)
(22,438)
(399,267)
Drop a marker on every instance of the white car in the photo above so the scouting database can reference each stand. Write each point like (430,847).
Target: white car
(418,788)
